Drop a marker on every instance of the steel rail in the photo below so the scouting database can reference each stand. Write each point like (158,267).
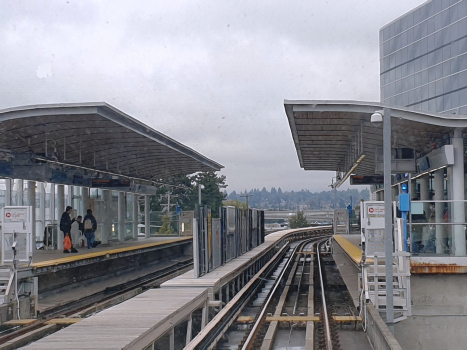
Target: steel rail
(254,329)
(301,277)
(328,338)
(96,299)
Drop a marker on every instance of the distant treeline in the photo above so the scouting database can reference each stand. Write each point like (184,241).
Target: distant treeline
(300,200)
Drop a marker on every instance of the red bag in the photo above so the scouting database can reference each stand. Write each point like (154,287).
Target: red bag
(67,243)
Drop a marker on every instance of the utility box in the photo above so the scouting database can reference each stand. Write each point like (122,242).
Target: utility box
(17,227)
(404,202)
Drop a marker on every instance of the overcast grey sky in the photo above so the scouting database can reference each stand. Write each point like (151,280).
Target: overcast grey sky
(210,74)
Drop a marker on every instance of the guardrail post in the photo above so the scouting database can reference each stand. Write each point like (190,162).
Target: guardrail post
(204,316)
(188,329)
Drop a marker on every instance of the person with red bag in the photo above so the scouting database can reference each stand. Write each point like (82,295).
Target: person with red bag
(65,227)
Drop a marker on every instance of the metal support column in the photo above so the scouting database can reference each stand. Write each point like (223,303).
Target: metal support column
(107,219)
(32,203)
(31,199)
(69,200)
(424,194)
(458,234)
(121,216)
(20,192)
(8,192)
(60,211)
(172,339)
(388,218)
(410,191)
(147,213)
(335,208)
(439,195)
(41,227)
(85,199)
(52,207)
(135,215)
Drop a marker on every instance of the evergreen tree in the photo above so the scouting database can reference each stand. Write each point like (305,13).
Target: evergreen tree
(298,221)
(186,188)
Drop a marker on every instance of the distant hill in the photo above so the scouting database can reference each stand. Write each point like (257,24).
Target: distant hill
(301,200)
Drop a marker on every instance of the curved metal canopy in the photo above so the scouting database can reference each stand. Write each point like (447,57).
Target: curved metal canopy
(334,135)
(97,136)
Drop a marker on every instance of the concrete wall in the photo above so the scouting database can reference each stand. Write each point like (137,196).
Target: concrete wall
(439,308)
(439,314)
(378,333)
(9,311)
(68,278)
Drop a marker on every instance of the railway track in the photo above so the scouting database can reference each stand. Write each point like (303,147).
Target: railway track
(99,301)
(299,301)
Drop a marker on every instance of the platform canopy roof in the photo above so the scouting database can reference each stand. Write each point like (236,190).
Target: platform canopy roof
(96,136)
(336,135)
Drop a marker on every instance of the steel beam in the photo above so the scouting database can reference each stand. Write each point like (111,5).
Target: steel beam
(388,218)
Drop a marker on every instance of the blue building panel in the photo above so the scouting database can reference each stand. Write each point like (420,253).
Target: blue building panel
(423,58)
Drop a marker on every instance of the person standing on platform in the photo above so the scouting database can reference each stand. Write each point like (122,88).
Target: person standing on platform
(80,223)
(90,227)
(77,231)
(65,227)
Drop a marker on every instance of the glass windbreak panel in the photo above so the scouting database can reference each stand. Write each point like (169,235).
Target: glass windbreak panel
(197,317)
(163,223)
(129,207)
(436,227)
(180,335)
(16,192)
(2,194)
(114,213)
(163,343)
(435,239)
(129,230)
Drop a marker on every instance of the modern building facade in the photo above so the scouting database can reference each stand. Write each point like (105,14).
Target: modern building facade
(423,58)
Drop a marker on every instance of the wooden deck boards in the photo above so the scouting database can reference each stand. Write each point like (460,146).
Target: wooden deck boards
(123,325)
(215,279)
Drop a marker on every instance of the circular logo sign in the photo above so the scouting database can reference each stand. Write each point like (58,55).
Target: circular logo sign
(371,210)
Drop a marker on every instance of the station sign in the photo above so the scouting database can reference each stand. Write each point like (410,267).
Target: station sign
(16,234)
(366,179)
(106,183)
(376,211)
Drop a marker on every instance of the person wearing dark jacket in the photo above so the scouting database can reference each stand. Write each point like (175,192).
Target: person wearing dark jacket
(90,227)
(65,226)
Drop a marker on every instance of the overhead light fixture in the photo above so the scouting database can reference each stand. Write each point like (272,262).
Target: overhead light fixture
(377,118)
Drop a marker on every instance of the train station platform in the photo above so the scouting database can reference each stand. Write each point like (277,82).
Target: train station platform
(52,258)
(58,272)
(348,255)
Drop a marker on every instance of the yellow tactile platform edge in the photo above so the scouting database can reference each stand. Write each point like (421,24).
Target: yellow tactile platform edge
(104,252)
(350,249)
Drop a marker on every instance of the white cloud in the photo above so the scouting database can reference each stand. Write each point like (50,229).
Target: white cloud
(212,75)
(44,71)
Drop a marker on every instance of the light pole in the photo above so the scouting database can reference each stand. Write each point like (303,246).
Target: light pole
(376,119)
(200,187)
(246,196)
(334,217)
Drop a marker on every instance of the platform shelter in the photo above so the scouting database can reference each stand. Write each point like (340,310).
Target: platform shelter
(428,155)
(88,155)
